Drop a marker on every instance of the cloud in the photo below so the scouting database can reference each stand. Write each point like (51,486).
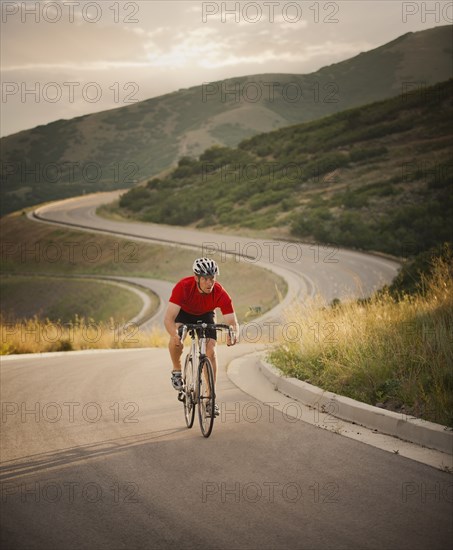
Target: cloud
(219,59)
(169,46)
(288,25)
(98,65)
(203,47)
(25,45)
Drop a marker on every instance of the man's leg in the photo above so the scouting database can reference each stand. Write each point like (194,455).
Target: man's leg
(176,348)
(175,354)
(212,355)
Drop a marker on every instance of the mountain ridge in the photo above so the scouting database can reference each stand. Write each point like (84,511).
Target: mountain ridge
(118,147)
(376,177)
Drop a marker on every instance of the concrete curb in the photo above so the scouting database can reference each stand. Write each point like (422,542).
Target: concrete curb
(415,430)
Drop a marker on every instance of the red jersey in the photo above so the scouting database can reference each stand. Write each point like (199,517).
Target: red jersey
(186,295)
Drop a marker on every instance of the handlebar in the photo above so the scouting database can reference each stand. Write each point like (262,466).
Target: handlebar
(203,327)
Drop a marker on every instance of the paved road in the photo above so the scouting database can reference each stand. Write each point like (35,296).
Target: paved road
(104,459)
(161,288)
(95,455)
(334,273)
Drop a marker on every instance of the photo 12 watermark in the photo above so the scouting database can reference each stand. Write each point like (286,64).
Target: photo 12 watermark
(426,171)
(22,172)
(72,252)
(63,336)
(253,91)
(271,251)
(426,493)
(427,12)
(69,411)
(251,492)
(253,412)
(70,492)
(419,89)
(271,12)
(69,92)
(325,172)
(428,333)
(290,332)
(32,12)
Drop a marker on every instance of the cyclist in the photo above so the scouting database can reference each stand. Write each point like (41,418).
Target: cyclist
(194,299)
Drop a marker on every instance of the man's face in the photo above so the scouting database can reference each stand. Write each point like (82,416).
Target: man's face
(206,283)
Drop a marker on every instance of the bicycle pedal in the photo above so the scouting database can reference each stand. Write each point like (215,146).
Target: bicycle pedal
(181,396)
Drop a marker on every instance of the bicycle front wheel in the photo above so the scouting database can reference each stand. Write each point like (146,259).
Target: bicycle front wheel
(189,390)
(206,397)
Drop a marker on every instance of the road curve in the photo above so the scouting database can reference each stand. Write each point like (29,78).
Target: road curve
(161,288)
(95,453)
(309,269)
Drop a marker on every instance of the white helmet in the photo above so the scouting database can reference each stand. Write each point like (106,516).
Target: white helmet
(205,267)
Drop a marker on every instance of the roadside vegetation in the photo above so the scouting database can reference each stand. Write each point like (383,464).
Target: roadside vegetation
(377,177)
(30,248)
(393,350)
(37,335)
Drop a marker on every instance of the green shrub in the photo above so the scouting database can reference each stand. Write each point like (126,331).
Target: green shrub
(357,155)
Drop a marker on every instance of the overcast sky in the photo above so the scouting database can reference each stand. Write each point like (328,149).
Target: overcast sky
(79,57)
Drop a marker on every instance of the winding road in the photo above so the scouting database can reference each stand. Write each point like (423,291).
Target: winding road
(95,453)
(308,269)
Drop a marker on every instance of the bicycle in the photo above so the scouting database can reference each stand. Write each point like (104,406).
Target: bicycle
(198,387)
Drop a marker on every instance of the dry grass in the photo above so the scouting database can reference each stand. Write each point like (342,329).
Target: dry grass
(398,354)
(38,336)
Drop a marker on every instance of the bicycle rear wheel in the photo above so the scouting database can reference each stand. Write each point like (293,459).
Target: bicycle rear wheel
(189,390)
(206,396)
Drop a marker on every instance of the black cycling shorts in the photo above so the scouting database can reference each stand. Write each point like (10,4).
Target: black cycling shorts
(209,317)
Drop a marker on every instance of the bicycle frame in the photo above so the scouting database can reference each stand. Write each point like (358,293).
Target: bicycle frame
(197,352)
(197,360)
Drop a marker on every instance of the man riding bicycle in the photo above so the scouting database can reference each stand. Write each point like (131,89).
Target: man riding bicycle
(194,299)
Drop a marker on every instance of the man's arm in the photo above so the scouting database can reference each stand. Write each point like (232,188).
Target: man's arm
(169,322)
(231,319)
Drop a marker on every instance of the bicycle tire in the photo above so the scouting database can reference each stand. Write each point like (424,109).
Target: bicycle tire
(189,387)
(205,395)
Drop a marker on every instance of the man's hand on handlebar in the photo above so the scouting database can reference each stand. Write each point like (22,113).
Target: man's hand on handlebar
(231,337)
(176,340)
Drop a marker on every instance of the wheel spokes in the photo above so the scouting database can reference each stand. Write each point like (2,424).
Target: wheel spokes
(189,403)
(206,396)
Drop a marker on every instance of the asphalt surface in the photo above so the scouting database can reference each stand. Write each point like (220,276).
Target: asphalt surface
(95,452)
(161,288)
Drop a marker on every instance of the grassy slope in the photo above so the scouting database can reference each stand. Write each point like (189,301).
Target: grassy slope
(377,177)
(63,299)
(397,354)
(136,141)
(31,247)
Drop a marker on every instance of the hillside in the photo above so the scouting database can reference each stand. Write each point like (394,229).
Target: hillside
(377,177)
(123,259)
(116,148)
